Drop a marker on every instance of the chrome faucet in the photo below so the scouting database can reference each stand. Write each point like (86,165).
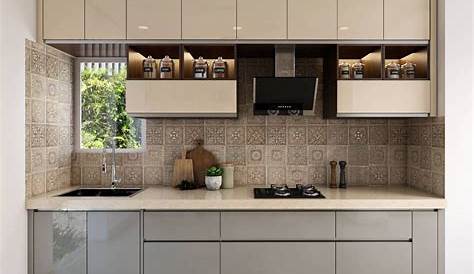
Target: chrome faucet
(115,179)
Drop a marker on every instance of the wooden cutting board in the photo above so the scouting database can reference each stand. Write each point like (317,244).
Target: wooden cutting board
(183,170)
(202,160)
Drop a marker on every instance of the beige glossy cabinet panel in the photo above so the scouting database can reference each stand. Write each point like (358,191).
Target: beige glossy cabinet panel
(209,19)
(425,242)
(383,97)
(262,19)
(153,19)
(312,19)
(361,19)
(63,19)
(106,19)
(407,19)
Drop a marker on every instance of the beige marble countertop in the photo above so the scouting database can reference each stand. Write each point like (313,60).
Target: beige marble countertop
(241,198)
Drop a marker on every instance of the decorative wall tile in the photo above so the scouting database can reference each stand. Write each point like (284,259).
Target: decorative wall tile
(215,135)
(358,135)
(276,155)
(52,182)
(133,159)
(438,183)
(414,135)
(65,135)
(172,153)
(153,156)
(38,86)
(317,135)
(378,155)
(425,135)
(357,176)
(38,111)
(398,175)
(276,120)
(297,175)
(38,135)
(414,156)
(192,134)
(317,175)
(296,135)
(276,135)
(173,135)
(337,153)
(52,158)
(235,135)
(240,175)
(65,71)
(52,67)
(378,135)
(255,135)
(437,135)
(38,62)
(38,183)
(91,176)
(218,152)
(52,115)
(256,155)
(317,156)
(256,175)
(133,175)
(338,135)
(378,175)
(276,175)
(398,135)
(438,160)
(235,155)
(153,175)
(358,155)
(398,156)
(297,155)
(38,160)
(425,157)
(52,136)
(154,133)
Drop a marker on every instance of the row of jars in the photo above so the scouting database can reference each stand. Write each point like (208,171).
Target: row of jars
(165,69)
(393,70)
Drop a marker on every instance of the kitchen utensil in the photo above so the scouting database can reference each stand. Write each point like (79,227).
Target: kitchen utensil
(166,68)
(149,68)
(333,174)
(342,175)
(202,160)
(183,170)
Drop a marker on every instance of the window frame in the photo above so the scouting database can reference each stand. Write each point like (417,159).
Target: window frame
(78,107)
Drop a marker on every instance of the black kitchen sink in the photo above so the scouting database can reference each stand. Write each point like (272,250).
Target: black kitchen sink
(102,192)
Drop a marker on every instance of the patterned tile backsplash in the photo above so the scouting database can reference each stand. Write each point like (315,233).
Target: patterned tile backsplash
(263,149)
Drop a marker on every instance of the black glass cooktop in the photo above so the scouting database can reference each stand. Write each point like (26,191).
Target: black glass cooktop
(285,192)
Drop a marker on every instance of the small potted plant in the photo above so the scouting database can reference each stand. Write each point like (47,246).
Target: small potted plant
(214,178)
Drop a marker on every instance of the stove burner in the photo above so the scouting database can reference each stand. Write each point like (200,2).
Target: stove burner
(281,190)
(284,191)
(308,190)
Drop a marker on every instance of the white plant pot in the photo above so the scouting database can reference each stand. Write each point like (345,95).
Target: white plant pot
(213,182)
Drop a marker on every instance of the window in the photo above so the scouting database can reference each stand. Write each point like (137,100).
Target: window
(102,106)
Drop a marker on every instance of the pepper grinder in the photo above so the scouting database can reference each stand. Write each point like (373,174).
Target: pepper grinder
(333,174)
(342,176)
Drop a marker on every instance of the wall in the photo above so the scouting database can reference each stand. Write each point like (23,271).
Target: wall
(265,149)
(49,118)
(17,23)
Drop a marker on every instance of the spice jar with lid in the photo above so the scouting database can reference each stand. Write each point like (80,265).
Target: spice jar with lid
(392,70)
(344,70)
(408,70)
(219,68)
(200,68)
(166,68)
(358,70)
(149,68)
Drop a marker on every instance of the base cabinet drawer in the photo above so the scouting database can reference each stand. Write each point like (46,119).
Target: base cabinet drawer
(278,258)
(180,258)
(373,258)
(277,226)
(369,225)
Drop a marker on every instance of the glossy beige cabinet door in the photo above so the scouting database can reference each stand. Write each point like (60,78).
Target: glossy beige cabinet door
(106,19)
(209,19)
(262,19)
(153,19)
(407,19)
(361,19)
(63,19)
(312,19)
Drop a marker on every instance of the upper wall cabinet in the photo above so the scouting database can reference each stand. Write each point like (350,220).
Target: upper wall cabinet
(209,19)
(407,19)
(105,19)
(153,19)
(63,19)
(262,19)
(361,19)
(312,19)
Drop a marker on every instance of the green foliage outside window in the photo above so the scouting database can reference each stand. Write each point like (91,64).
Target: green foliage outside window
(103,111)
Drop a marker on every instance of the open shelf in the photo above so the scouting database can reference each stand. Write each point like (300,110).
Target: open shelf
(209,54)
(137,54)
(415,54)
(369,55)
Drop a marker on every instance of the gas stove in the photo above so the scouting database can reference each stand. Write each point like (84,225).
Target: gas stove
(283,191)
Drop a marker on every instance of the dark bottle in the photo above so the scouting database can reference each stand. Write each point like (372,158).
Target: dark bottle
(333,174)
(342,176)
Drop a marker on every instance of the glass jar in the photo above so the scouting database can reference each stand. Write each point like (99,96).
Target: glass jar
(149,68)
(408,70)
(219,68)
(358,70)
(200,68)
(344,71)
(166,68)
(392,70)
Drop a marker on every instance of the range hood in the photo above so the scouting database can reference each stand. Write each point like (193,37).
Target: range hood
(285,94)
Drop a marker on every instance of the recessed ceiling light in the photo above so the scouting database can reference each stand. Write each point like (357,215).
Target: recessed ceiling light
(143,27)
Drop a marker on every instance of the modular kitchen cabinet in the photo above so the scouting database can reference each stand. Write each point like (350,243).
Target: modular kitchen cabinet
(316,19)
(263,19)
(361,19)
(407,19)
(105,19)
(63,19)
(209,19)
(153,19)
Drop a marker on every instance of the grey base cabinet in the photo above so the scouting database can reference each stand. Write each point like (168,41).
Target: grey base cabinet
(185,257)
(278,257)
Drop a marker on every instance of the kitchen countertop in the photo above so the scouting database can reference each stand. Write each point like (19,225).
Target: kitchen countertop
(241,198)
